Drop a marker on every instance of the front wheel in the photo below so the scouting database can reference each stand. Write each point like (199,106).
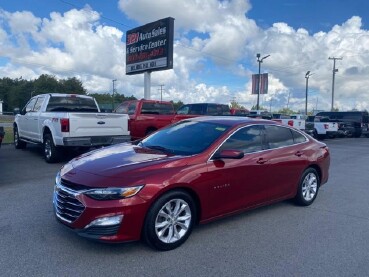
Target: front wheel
(51,152)
(169,221)
(308,187)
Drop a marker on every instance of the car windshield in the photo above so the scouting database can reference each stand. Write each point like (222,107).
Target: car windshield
(185,137)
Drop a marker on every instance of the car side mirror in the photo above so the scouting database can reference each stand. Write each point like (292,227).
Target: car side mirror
(229,154)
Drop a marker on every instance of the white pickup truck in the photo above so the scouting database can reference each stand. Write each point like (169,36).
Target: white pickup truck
(67,120)
(321,127)
(298,123)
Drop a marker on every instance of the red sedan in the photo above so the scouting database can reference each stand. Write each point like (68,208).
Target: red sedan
(194,171)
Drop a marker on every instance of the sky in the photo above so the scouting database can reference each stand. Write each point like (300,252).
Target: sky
(215,47)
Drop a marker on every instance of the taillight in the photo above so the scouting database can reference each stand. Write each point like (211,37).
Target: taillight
(64,124)
(290,123)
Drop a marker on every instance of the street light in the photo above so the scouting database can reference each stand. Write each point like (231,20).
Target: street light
(259,61)
(307,75)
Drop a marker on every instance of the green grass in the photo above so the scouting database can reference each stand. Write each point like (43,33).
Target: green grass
(8,135)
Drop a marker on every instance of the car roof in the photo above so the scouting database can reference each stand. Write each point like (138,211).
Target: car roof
(232,120)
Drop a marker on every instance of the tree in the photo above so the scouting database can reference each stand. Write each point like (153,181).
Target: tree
(261,108)
(286,111)
(235,105)
(177,105)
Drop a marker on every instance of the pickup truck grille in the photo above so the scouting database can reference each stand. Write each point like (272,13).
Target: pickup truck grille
(67,207)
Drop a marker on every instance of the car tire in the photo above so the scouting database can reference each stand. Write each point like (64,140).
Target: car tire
(308,187)
(170,221)
(18,143)
(52,153)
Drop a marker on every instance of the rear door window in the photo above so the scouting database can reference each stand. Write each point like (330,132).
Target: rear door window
(277,136)
(156,108)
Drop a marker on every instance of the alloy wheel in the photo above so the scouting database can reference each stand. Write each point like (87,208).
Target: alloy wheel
(173,221)
(309,187)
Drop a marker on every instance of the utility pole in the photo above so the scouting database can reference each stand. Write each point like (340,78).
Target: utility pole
(113,93)
(161,92)
(307,75)
(333,77)
(259,80)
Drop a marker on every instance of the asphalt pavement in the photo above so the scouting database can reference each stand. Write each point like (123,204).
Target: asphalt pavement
(329,238)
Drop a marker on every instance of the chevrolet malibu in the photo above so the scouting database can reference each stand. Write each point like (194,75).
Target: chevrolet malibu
(195,171)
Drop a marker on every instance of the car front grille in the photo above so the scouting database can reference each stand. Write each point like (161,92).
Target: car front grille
(67,207)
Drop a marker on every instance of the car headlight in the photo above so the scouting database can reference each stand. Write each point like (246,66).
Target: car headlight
(58,179)
(113,193)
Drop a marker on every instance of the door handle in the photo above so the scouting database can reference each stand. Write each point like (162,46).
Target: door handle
(261,161)
(299,153)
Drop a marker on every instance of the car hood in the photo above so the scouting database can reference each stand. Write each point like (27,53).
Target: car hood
(115,161)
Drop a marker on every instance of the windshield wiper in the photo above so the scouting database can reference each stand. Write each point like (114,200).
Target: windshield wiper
(160,148)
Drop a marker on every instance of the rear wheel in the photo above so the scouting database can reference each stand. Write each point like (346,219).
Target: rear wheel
(308,187)
(51,152)
(18,143)
(169,221)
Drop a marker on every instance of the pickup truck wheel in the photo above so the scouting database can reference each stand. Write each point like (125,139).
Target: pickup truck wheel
(18,143)
(169,221)
(308,187)
(51,152)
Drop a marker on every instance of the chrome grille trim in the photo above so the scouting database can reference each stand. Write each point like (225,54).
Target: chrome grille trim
(67,207)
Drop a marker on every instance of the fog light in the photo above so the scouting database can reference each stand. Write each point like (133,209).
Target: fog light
(106,221)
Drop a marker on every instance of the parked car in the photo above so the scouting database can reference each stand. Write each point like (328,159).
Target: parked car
(260,114)
(201,109)
(2,134)
(146,116)
(194,171)
(321,127)
(239,112)
(59,121)
(351,124)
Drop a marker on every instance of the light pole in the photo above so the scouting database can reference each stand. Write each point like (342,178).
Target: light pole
(259,80)
(113,93)
(307,75)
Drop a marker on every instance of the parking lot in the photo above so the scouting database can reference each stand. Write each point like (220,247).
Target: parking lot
(329,238)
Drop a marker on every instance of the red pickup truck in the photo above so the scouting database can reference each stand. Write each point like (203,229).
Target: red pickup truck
(146,116)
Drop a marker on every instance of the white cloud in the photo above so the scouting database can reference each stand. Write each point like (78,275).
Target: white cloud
(213,32)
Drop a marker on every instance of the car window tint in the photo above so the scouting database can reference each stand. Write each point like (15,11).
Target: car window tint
(277,136)
(297,137)
(122,108)
(71,104)
(38,104)
(183,110)
(196,109)
(156,108)
(30,105)
(132,108)
(186,137)
(247,139)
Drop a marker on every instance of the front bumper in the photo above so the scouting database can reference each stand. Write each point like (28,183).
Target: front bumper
(77,211)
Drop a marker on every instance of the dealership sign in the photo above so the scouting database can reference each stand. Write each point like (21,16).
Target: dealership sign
(263,83)
(150,47)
